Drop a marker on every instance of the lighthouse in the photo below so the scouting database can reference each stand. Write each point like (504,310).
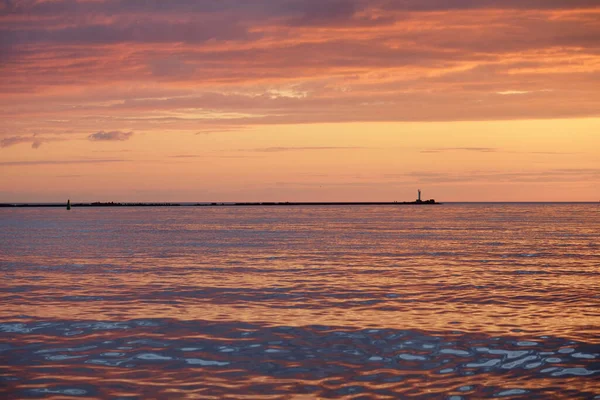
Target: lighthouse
(419,198)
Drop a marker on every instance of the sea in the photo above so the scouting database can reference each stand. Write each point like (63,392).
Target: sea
(452,301)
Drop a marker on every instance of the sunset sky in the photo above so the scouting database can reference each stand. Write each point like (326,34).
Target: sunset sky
(299,100)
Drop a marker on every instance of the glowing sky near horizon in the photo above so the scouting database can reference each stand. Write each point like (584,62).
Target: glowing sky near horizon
(299,100)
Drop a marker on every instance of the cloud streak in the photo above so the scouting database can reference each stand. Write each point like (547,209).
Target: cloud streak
(493,177)
(306,148)
(35,140)
(470,149)
(57,162)
(112,136)
(14,140)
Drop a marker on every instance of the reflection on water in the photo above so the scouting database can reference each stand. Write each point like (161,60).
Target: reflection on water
(456,301)
(166,357)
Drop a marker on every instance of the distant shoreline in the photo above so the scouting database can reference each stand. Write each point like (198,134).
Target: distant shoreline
(269,204)
(220,204)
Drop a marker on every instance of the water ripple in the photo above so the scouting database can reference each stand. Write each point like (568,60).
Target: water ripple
(317,354)
(455,302)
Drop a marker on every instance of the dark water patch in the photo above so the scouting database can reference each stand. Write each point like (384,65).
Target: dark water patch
(23,288)
(333,361)
(308,294)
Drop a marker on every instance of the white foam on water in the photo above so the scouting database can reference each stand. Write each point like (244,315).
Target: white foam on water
(583,355)
(566,350)
(82,348)
(487,364)
(199,361)
(14,328)
(101,325)
(61,357)
(516,363)
(112,354)
(152,357)
(511,392)
(526,343)
(73,333)
(227,349)
(111,363)
(146,323)
(461,353)
(73,392)
(411,357)
(546,370)
(510,354)
(275,351)
(533,365)
(68,391)
(553,360)
(573,371)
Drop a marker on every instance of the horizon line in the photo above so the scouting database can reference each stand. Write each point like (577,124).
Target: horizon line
(10,204)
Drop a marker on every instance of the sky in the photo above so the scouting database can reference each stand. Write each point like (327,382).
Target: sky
(299,100)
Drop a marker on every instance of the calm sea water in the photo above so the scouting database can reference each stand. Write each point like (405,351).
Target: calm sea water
(455,301)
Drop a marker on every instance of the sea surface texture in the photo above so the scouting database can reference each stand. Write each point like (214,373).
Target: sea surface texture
(454,301)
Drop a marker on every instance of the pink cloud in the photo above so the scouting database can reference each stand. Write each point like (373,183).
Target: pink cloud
(213,66)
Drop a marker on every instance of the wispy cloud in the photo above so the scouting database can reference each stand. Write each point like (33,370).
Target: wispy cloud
(472,149)
(212,155)
(14,140)
(112,151)
(306,148)
(520,92)
(512,92)
(56,162)
(491,177)
(110,136)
